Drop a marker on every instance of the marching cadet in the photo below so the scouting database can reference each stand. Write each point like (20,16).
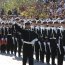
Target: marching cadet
(53,46)
(11,40)
(14,34)
(18,36)
(8,40)
(3,38)
(37,45)
(42,46)
(6,34)
(47,44)
(60,51)
(29,37)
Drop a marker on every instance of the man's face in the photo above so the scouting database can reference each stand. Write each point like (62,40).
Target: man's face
(38,24)
(27,26)
(17,21)
(33,24)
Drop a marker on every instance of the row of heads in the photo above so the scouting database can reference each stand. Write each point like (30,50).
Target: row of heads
(30,21)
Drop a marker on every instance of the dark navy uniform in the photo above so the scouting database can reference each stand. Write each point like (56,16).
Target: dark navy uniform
(3,40)
(11,41)
(15,41)
(27,37)
(37,46)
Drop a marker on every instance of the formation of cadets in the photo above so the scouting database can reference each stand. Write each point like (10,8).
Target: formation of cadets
(50,43)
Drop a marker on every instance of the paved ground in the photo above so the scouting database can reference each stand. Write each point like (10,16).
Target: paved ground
(7,59)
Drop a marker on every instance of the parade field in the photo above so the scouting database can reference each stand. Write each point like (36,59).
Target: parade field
(6,59)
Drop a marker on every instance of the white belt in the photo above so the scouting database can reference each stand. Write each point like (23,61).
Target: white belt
(52,38)
(32,42)
(9,34)
(27,42)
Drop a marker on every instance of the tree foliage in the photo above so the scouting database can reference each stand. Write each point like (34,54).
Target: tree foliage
(27,8)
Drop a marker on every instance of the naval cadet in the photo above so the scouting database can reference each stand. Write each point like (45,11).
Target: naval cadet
(37,45)
(3,38)
(42,46)
(14,37)
(9,40)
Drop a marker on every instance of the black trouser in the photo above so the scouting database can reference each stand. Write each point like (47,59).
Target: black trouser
(15,47)
(37,47)
(8,47)
(9,44)
(42,56)
(48,57)
(53,55)
(19,47)
(19,51)
(37,54)
(27,54)
(29,57)
(47,53)
(3,46)
(60,59)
